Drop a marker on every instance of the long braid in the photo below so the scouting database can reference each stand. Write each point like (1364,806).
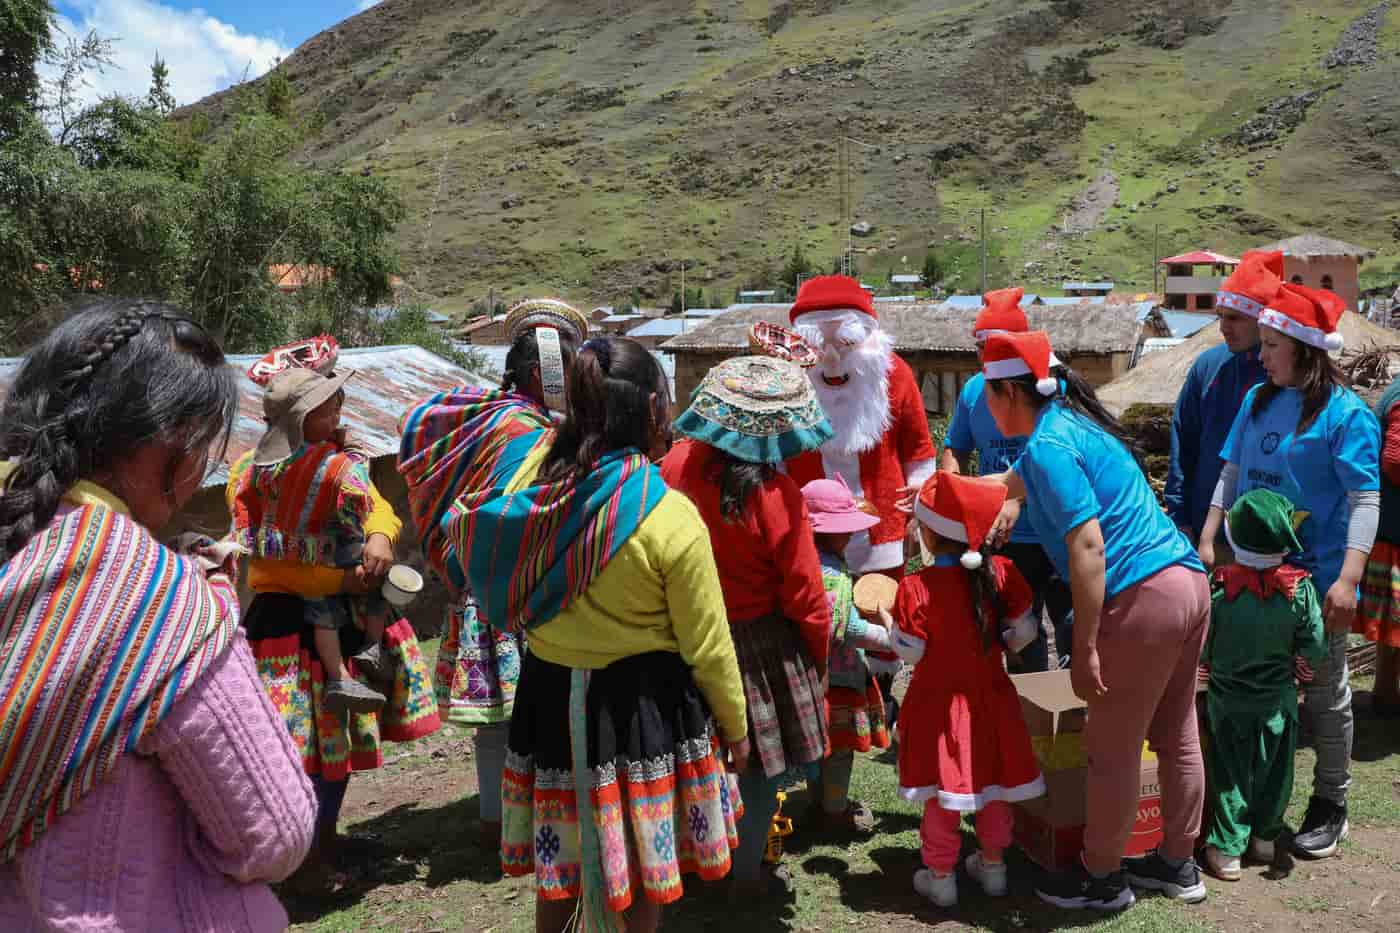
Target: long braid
(119,334)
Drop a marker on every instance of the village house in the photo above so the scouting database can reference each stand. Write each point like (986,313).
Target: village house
(1098,339)
(486,330)
(1087,289)
(1321,262)
(1193,279)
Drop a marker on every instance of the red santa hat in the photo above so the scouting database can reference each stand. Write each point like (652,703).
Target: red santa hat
(1309,315)
(961,508)
(1001,314)
(831,293)
(1007,356)
(1255,280)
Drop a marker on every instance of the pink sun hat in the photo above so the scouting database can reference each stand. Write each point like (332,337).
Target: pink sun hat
(834,510)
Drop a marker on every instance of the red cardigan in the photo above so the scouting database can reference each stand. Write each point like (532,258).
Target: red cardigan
(768,560)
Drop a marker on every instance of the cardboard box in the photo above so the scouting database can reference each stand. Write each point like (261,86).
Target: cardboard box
(1050,829)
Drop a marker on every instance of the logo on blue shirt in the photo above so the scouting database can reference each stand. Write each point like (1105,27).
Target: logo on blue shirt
(1269,442)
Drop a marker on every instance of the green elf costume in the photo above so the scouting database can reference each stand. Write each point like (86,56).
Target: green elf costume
(1264,613)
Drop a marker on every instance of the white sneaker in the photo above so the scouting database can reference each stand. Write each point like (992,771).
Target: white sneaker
(992,878)
(1222,866)
(941,889)
(1261,852)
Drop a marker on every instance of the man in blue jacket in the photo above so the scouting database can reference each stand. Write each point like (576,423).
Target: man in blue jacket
(1215,389)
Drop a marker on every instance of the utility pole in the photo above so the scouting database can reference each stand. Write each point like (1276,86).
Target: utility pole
(682,296)
(1155,228)
(984,250)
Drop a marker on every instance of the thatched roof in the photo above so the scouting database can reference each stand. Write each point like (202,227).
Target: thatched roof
(1314,245)
(1158,379)
(1074,329)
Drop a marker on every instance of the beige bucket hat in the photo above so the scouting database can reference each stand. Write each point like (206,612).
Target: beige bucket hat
(290,396)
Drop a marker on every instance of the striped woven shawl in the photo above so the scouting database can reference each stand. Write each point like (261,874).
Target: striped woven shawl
(463,441)
(531,552)
(310,507)
(101,631)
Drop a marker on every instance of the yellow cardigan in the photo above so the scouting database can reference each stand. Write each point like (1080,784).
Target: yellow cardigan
(659,592)
(309,580)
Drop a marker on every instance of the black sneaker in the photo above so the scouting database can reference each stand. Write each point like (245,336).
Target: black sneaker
(1152,872)
(1324,827)
(1076,889)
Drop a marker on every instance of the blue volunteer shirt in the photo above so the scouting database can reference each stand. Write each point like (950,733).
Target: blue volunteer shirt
(973,428)
(1337,454)
(1211,397)
(1074,470)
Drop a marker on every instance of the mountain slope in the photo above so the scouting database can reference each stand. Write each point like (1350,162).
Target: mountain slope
(588,147)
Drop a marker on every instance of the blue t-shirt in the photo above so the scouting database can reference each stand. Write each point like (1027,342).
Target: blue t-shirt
(1074,470)
(973,428)
(1337,454)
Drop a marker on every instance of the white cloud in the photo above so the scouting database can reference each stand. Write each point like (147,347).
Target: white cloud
(366,4)
(204,54)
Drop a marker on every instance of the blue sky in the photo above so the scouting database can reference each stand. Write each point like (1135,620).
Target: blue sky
(207,45)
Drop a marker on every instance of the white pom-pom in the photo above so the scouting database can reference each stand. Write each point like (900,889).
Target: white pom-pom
(1047,386)
(1333,342)
(971,560)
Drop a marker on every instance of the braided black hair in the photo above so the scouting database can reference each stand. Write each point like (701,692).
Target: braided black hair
(524,356)
(114,376)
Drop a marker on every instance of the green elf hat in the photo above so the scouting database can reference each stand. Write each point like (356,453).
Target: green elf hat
(1262,529)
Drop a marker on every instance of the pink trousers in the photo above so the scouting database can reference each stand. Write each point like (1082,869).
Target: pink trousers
(1150,639)
(941,840)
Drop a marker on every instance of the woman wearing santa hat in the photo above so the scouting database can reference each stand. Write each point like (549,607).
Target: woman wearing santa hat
(1141,608)
(1307,436)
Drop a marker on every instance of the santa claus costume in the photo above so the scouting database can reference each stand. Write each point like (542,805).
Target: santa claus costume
(963,745)
(881,441)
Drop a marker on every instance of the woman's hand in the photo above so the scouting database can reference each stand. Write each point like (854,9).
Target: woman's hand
(378,557)
(1006,520)
(1206,550)
(1339,607)
(904,498)
(1084,674)
(739,754)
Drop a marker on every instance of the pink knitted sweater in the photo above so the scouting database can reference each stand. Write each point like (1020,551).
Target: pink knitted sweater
(185,835)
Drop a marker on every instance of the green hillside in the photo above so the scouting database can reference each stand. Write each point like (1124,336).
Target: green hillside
(589,147)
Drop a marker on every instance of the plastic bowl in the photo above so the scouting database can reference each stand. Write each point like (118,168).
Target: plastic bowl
(402,585)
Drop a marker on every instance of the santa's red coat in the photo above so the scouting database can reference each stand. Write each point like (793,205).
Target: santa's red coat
(905,455)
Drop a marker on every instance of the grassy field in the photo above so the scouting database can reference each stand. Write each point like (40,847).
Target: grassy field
(419,867)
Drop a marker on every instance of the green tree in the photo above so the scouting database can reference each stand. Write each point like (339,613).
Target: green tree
(25,40)
(278,93)
(796,268)
(933,269)
(159,97)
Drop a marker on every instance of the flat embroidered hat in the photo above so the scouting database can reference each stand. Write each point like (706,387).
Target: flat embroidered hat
(757,408)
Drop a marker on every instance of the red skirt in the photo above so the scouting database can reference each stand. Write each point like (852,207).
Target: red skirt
(857,719)
(965,747)
(1378,615)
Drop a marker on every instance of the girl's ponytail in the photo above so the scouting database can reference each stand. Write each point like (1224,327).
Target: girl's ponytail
(988,608)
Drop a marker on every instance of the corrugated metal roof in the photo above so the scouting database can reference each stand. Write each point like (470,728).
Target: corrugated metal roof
(962,301)
(1054,301)
(662,327)
(1199,257)
(387,381)
(1158,344)
(388,312)
(620,318)
(1185,323)
(906,279)
(897,298)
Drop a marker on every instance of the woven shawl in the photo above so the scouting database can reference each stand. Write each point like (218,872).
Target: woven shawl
(528,554)
(463,441)
(102,630)
(310,507)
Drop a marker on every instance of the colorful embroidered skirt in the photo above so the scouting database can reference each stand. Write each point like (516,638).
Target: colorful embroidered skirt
(333,746)
(477,668)
(662,803)
(787,709)
(1378,616)
(857,718)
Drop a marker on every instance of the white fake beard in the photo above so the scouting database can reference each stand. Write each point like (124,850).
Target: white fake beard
(859,409)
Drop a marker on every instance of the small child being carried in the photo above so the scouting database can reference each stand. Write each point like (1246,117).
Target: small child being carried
(1264,613)
(963,744)
(304,500)
(855,708)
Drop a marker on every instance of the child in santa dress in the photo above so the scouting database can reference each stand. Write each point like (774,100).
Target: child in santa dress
(855,707)
(963,745)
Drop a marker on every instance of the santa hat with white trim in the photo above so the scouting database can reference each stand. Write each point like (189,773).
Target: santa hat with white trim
(831,293)
(1007,356)
(1308,315)
(1001,314)
(1255,280)
(961,508)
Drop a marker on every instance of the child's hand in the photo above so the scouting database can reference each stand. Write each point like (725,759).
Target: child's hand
(882,615)
(377,557)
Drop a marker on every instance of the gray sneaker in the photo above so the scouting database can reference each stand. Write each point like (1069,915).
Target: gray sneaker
(377,665)
(351,696)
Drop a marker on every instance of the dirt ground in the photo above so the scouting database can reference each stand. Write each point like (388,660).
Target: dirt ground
(415,864)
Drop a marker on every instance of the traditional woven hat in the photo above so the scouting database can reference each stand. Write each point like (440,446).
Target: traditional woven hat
(771,340)
(756,408)
(318,354)
(546,312)
(1262,528)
